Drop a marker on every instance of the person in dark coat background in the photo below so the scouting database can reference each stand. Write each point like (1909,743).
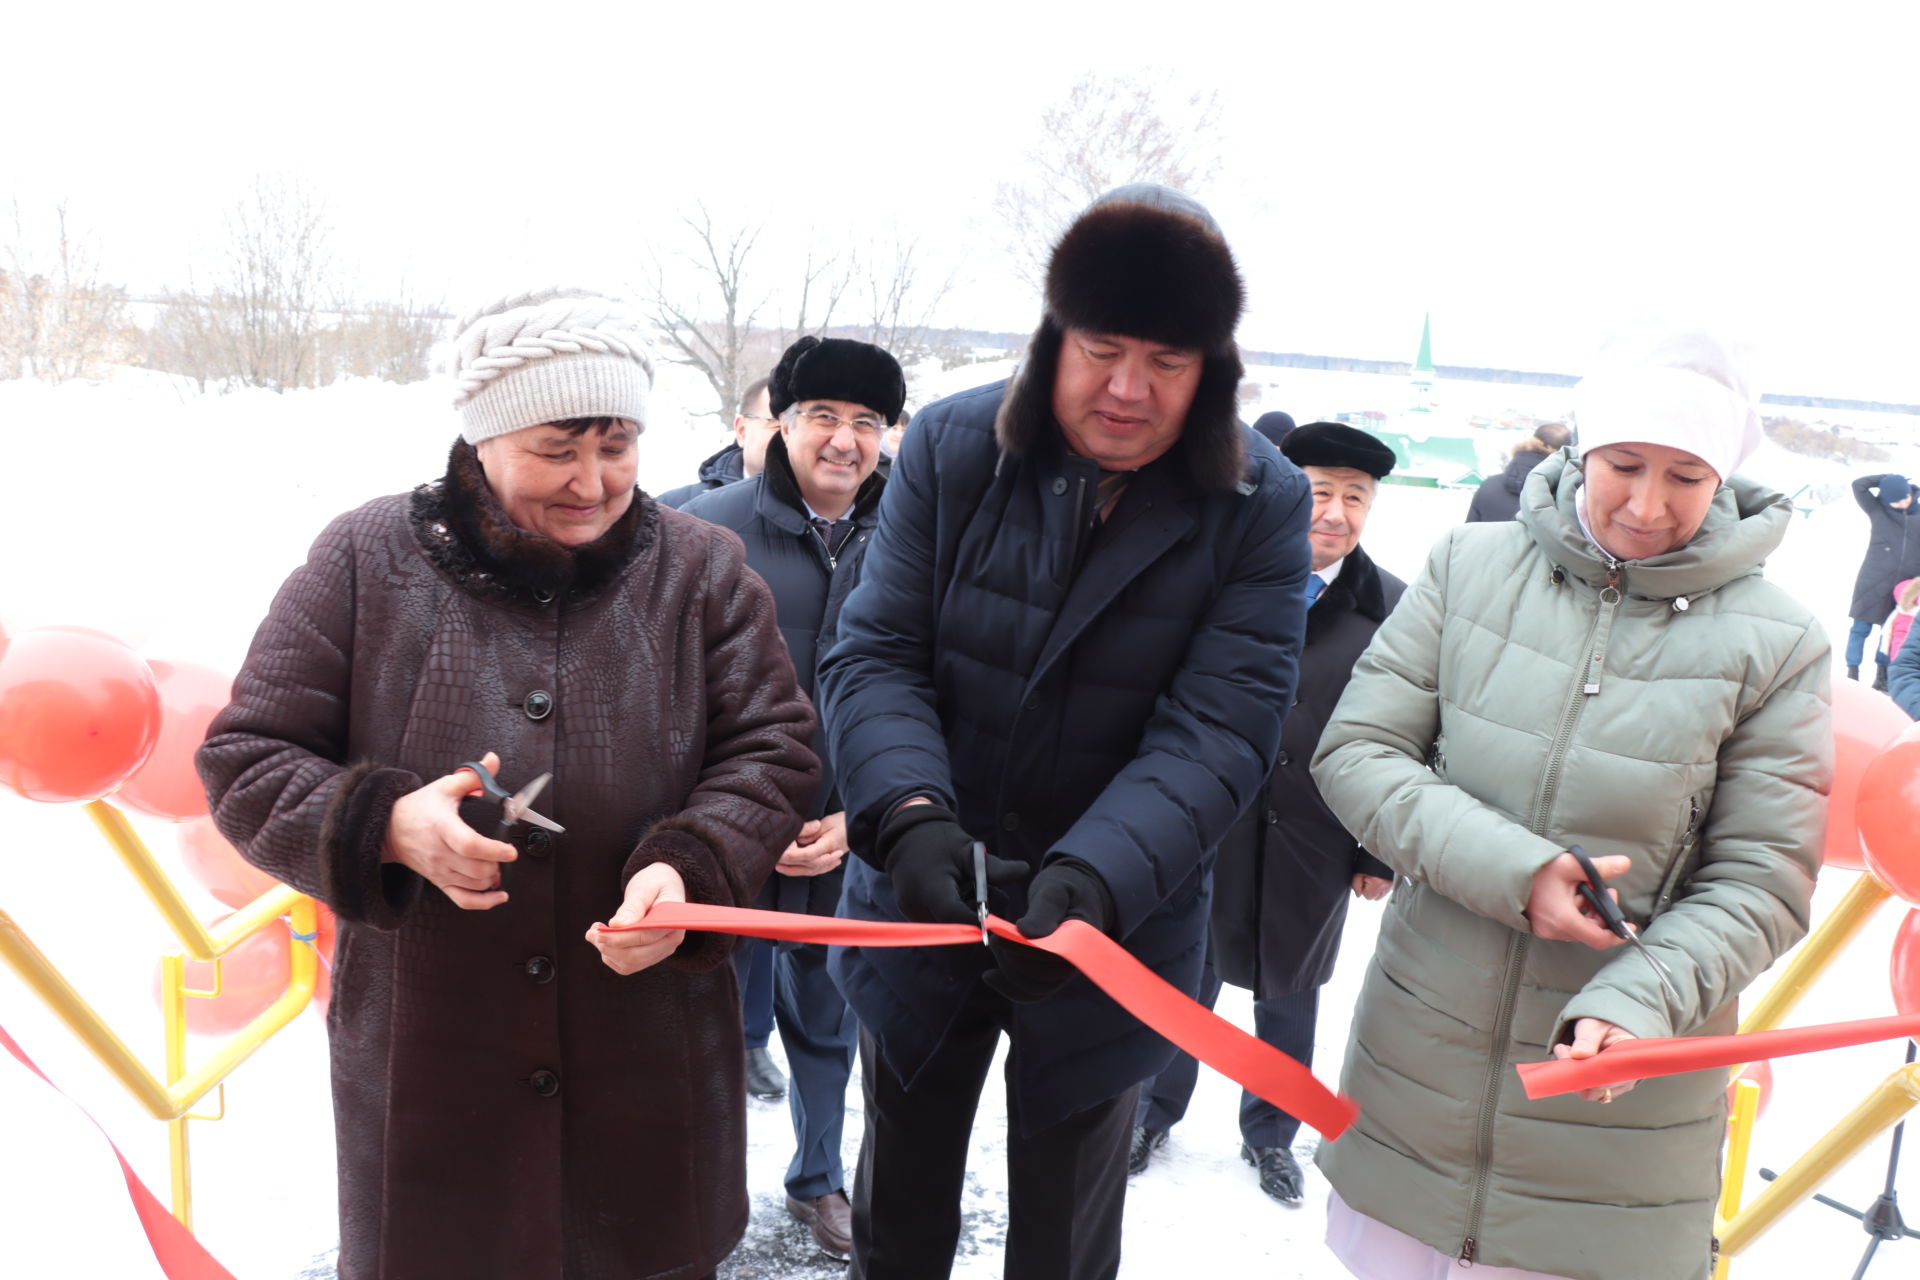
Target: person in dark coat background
(1274,425)
(806,520)
(518,1091)
(1498,497)
(1074,639)
(1893,555)
(754,424)
(1282,880)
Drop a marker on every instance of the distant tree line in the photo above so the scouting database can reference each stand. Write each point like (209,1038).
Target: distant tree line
(272,312)
(1821,441)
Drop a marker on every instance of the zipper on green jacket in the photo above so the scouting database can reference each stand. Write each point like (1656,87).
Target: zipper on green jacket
(1586,684)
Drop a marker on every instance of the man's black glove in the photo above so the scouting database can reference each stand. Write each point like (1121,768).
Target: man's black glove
(1066,889)
(929,858)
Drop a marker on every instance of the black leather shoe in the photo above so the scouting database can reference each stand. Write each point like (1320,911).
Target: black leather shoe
(830,1218)
(1145,1142)
(1280,1175)
(763,1078)
(1853,673)
(1880,676)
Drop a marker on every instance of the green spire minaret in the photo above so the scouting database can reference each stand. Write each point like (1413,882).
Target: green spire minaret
(1422,379)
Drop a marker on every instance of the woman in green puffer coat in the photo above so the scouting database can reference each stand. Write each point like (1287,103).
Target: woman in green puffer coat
(1610,670)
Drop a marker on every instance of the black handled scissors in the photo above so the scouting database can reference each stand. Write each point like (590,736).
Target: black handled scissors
(1594,890)
(513,805)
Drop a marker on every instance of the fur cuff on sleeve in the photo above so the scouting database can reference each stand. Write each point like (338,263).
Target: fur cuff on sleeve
(359,886)
(710,874)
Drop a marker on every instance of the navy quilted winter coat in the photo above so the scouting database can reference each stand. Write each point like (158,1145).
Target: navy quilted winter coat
(1124,714)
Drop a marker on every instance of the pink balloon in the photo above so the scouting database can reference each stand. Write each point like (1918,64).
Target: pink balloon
(252,976)
(79,713)
(167,786)
(1888,810)
(219,867)
(1906,965)
(1864,722)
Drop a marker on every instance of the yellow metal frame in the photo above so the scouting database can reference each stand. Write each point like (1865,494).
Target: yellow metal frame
(174,1099)
(1737,1227)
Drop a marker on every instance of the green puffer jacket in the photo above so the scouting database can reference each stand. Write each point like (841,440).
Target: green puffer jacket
(1513,705)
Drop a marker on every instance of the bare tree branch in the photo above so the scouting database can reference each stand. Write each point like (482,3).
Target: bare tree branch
(1107,131)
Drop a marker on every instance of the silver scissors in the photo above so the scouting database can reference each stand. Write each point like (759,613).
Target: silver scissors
(1610,915)
(980,885)
(513,806)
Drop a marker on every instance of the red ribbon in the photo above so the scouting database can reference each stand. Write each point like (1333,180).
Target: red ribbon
(180,1255)
(1254,1065)
(1645,1059)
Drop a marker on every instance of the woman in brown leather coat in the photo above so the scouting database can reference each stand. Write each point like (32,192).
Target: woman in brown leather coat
(518,1092)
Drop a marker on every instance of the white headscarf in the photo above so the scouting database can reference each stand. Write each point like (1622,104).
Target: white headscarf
(1679,386)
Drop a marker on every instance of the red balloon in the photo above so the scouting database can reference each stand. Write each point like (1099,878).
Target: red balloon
(1906,966)
(252,976)
(166,786)
(79,713)
(1889,813)
(1864,721)
(219,867)
(1761,1073)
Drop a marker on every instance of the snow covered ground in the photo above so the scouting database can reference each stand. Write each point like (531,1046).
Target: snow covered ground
(169,518)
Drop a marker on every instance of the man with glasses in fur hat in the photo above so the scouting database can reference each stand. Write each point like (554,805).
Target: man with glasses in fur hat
(1074,639)
(806,519)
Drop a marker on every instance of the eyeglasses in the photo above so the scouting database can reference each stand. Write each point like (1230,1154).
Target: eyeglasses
(827,422)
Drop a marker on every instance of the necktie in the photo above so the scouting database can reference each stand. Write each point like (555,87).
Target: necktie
(826,529)
(1315,585)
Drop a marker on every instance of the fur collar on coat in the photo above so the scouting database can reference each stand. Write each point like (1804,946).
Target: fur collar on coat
(466,533)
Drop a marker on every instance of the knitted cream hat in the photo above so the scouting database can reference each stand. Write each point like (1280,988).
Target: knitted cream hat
(548,356)
(1683,387)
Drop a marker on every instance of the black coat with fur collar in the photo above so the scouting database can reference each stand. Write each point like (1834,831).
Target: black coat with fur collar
(505,1103)
(1285,873)
(809,586)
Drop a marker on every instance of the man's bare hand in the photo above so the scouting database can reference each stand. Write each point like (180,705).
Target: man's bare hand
(819,848)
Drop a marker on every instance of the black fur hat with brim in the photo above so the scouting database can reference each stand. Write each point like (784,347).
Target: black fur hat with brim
(1146,262)
(838,369)
(1149,262)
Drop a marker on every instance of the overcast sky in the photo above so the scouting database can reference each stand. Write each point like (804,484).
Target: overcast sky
(1529,173)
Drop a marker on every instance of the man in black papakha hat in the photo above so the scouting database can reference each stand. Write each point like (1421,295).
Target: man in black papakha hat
(807,518)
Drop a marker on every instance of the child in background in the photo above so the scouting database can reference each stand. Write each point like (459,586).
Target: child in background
(1906,602)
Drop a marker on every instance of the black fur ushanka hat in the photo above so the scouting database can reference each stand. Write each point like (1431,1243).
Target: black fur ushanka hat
(1142,261)
(838,369)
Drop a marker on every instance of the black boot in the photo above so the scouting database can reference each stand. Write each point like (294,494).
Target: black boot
(1280,1175)
(763,1078)
(1145,1142)
(1880,674)
(1853,673)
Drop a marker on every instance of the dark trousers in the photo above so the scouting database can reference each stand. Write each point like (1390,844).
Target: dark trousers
(817,1031)
(1285,1022)
(753,966)
(1066,1185)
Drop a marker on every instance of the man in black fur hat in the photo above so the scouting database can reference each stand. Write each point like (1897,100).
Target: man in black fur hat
(1286,870)
(1074,640)
(806,519)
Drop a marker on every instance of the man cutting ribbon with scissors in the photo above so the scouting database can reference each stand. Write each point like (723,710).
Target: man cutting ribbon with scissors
(1075,638)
